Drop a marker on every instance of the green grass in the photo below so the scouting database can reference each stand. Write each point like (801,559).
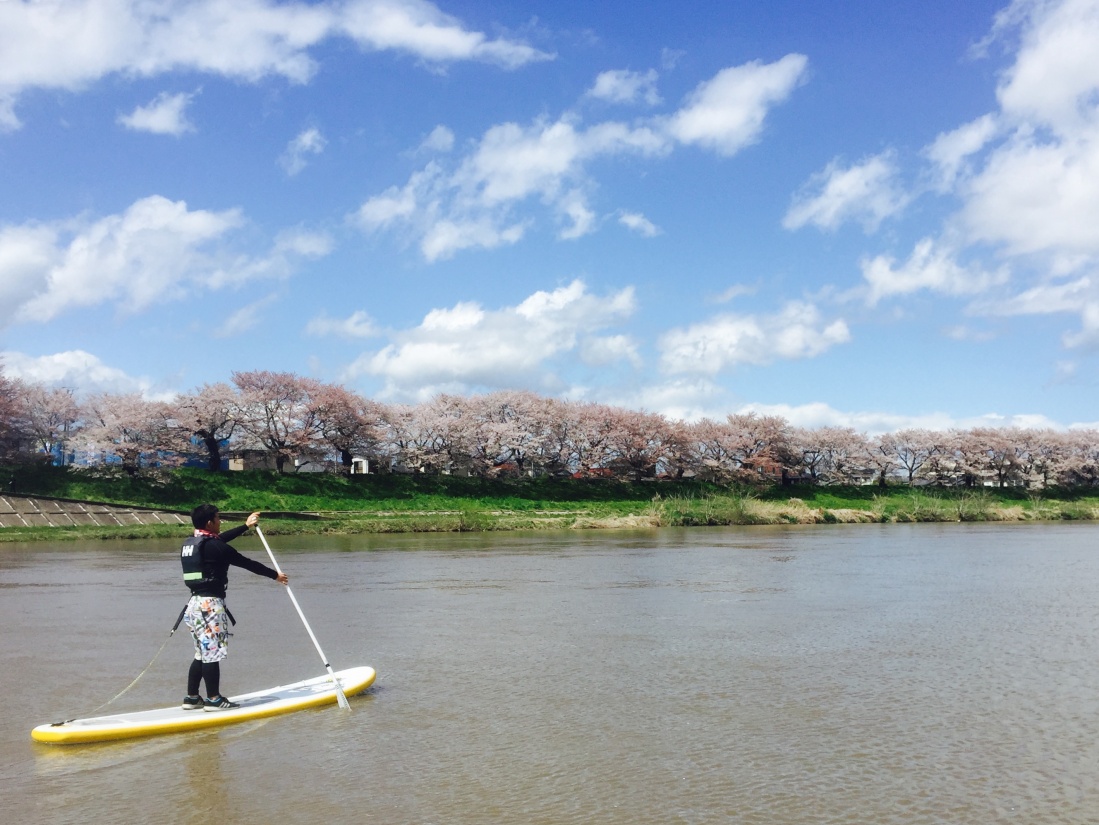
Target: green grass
(418,503)
(183,489)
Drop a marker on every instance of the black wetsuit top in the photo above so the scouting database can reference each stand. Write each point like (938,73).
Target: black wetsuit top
(218,556)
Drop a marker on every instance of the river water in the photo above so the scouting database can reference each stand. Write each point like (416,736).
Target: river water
(840,674)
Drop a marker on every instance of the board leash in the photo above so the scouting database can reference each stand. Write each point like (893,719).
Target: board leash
(136,679)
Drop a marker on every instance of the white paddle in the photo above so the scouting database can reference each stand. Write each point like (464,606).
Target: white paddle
(339,690)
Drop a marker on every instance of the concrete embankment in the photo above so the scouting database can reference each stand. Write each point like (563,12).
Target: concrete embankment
(41,511)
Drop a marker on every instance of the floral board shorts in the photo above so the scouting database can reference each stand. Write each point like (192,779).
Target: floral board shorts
(208,622)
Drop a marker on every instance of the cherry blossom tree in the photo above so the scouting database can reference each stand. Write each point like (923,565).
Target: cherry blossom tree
(847,451)
(591,434)
(210,416)
(506,431)
(277,411)
(127,426)
(912,448)
(680,456)
(454,445)
(12,412)
(997,454)
(636,442)
(1046,453)
(416,438)
(349,424)
(943,465)
(880,456)
(557,443)
(50,416)
(966,456)
(538,450)
(716,449)
(396,435)
(1080,466)
(762,444)
(521,432)
(814,455)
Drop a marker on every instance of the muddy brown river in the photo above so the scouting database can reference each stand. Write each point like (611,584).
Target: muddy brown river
(838,674)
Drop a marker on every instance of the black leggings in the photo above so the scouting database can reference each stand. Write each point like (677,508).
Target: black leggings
(208,672)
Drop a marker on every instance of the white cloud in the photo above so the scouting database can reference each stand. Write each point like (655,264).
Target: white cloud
(599,351)
(9,121)
(471,204)
(297,243)
(1026,176)
(422,29)
(950,150)
(1079,296)
(1035,191)
(669,58)
(1047,298)
(725,341)
(1038,196)
(446,237)
(727,112)
(154,251)
(164,115)
(695,398)
(356,325)
(1064,372)
(468,347)
(961,332)
(1087,337)
(678,399)
(931,266)
(574,208)
(1055,75)
(78,370)
(308,142)
(246,318)
(624,86)
(441,139)
(68,44)
(512,163)
(871,423)
(638,223)
(866,192)
(401,204)
(27,254)
(733,292)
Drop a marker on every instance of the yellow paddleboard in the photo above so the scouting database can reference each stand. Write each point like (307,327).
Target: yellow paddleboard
(258,705)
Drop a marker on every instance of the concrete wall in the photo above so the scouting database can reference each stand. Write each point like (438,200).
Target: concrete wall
(38,511)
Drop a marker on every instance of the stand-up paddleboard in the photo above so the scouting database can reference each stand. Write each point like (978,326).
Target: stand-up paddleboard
(263,703)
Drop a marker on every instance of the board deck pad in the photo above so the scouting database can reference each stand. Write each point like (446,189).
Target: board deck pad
(256,705)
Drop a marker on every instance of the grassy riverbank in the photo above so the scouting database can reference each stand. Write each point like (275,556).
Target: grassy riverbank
(316,503)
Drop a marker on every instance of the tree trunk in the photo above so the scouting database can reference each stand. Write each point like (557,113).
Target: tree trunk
(213,448)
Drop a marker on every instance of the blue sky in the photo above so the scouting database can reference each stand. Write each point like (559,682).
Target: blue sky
(870,214)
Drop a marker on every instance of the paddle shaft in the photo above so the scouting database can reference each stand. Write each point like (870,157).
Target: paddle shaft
(339,690)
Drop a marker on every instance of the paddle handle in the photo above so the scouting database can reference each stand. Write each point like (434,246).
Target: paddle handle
(339,690)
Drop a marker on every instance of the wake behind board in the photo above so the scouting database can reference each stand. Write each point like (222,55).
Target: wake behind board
(258,705)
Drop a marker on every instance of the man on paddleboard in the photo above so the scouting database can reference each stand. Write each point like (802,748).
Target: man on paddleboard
(206,558)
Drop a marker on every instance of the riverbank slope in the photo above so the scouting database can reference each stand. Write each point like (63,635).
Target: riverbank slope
(323,503)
